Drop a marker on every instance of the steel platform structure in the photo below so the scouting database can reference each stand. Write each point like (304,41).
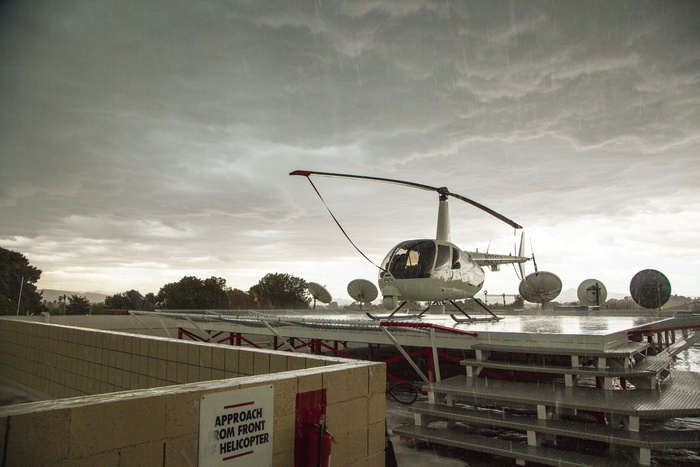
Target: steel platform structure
(589,333)
(615,369)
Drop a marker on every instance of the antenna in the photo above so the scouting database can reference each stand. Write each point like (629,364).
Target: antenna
(592,292)
(319,292)
(540,287)
(362,291)
(650,289)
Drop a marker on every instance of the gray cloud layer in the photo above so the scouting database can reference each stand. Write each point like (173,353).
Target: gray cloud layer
(141,141)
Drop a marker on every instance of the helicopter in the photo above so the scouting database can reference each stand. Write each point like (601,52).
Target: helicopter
(432,270)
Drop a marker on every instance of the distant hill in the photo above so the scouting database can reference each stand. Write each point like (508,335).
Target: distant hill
(51,295)
(570,295)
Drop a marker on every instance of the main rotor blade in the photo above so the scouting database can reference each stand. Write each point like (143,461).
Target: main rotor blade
(441,190)
(513,224)
(307,173)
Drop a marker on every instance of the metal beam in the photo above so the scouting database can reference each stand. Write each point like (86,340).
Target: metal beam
(405,354)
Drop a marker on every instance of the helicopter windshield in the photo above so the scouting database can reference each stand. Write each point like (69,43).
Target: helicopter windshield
(412,260)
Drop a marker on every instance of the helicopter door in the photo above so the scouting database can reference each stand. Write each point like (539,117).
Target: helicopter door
(413,260)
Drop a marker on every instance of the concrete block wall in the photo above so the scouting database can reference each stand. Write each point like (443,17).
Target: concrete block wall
(157,422)
(67,361)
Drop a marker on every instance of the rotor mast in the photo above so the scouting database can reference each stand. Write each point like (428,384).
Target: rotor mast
(443,221)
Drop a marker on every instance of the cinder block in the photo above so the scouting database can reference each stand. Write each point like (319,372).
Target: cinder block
(376,460)
(143,343)
(278,363)
(218,358)
(182,414)
(284,458)
(357,441)
(181,373)
(152,348)
(27,443)
(112,358)
(376,438)
(284,432)
(143,454)
(336,383)
(314,362)
(246,362)
(261,362)
(308,383)
(295,362)
(358,381)
(119,378)
(105,459)
(162,350)
(377,378)
(112,342)
(205,374)
(231,361)
(132,345)
(152,366)
(182,451)
(338,419)
(205,355)
(172,351)
(131,362)
(98,428)
(340,451)
(193,354)
(119,360)
(161,369)
(285,397)
(358,408)
(119,343)
(152,382)
(171,371)
(103,340)
(376,408)
(192,373)
(346,417)
(182,355)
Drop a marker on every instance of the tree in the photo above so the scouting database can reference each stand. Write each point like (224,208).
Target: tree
(78,305)
(16,274)
(130,300)
(191,293)
(283,291)
(519,302)
(241,300)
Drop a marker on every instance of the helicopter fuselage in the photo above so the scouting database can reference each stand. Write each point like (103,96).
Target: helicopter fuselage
(428,270)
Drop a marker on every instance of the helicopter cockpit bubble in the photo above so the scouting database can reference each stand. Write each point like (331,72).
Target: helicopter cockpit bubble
(413,259)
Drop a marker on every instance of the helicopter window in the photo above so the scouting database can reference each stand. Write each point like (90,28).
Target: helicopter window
(444,257)
(455,259)
(413,260)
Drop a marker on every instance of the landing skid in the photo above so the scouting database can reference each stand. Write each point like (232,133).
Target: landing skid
(391,316)
(471,319)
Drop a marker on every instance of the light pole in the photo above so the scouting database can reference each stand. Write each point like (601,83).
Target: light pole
(19,299)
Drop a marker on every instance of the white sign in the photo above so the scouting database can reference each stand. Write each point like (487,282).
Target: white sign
(235,427)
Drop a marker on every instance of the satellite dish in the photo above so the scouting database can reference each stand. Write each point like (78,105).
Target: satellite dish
(319,292)
(592,292)
(650,289)
(362,291)
(540,287)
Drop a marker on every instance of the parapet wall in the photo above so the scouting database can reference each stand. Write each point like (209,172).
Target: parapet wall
(124,399)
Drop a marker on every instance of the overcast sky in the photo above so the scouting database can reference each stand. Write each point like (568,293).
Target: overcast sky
(144,141)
